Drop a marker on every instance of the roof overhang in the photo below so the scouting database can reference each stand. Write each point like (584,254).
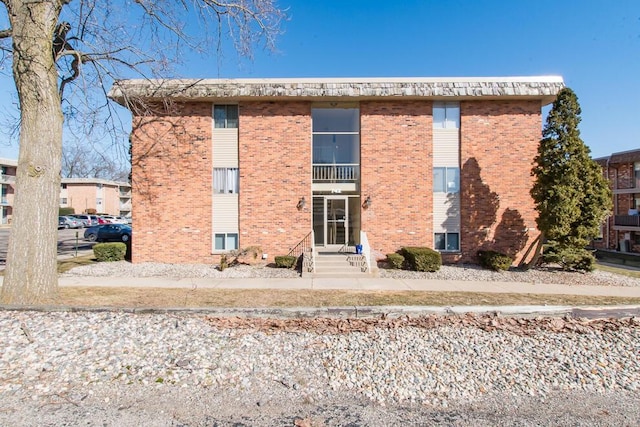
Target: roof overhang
(542,88)
(622,157)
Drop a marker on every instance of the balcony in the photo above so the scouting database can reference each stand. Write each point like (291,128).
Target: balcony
(7,179)
(626,221)
(336,173)
(4,201)
(629,187)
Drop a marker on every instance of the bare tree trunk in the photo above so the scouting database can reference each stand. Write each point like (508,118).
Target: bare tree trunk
(31,273)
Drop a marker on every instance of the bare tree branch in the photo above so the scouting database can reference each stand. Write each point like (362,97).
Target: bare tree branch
(4,34)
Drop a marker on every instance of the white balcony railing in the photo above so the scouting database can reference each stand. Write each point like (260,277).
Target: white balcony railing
(7,179)
(344,172)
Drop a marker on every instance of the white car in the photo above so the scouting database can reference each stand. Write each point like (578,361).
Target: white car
(110,219)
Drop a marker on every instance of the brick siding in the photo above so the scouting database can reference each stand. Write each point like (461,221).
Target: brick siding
(172,185)
(499,141)
(275,172)
(396,159)
(172,177)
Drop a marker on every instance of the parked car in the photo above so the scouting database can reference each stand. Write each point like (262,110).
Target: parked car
(103,220)
(114,233)
(91,233)
(111,219)
(68,222)
(125,219)
(85,219)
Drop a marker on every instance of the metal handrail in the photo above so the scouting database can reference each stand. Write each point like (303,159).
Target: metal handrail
(366,249)
(305,248)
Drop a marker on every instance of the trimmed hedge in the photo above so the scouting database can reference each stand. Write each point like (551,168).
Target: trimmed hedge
(421,258)
(109,251)
(66,211)
(285,261)
(395,261)
(495,261)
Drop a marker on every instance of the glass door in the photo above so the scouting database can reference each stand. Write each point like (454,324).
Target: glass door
(336,214)
(330,220)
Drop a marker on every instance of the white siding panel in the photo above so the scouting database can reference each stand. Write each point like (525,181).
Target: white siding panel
(225,148)
(225,213)
(446,147)
(446,212)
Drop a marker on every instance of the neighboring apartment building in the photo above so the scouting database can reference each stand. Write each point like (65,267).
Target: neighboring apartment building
(621,231)
(446,163)
(96,195)
(7,189)
(81,194)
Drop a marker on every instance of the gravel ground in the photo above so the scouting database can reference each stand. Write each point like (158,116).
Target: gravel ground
(465,272)
(131,369)
(125,369)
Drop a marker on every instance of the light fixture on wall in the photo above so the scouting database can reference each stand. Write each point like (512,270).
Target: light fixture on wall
(301,203)
(367,203)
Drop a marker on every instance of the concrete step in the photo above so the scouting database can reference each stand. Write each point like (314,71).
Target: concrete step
(339,265)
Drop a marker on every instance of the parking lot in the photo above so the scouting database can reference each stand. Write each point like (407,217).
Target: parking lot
(66,242)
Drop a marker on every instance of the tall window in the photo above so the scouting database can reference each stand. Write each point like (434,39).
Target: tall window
(446,180)
(446,115)
(226,180)
(225,116)
(336,135)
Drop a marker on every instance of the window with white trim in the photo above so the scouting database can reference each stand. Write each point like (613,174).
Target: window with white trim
(446,180)
(226,241)
(446,115)
(225,116)
(226,180)
(446,242)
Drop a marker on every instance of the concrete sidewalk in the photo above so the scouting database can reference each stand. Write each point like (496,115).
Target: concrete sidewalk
(359,284)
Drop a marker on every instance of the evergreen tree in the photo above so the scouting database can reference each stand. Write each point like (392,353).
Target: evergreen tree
(572,196)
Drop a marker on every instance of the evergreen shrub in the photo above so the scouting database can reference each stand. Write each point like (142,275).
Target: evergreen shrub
(395,261)
(495,261)
(422,258)
(285,261)
(109,251)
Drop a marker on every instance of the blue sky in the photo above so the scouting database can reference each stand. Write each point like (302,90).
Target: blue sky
(593,44)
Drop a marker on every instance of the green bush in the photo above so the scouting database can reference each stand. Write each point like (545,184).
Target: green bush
(568,257)
(495,261)
(109,251)
(422,259)
(395,261)
(66,211)
(285,261)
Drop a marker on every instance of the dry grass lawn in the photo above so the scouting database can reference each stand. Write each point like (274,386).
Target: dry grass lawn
(264,298)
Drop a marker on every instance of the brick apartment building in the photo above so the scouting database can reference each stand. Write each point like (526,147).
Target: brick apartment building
(219,165)
(81,194)
(621,231)
(96,195)
(7,189)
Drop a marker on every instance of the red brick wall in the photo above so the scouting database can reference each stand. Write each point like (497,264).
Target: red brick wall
(396,169)
(172,177)
(275,172)
(172,184)
(499,141)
